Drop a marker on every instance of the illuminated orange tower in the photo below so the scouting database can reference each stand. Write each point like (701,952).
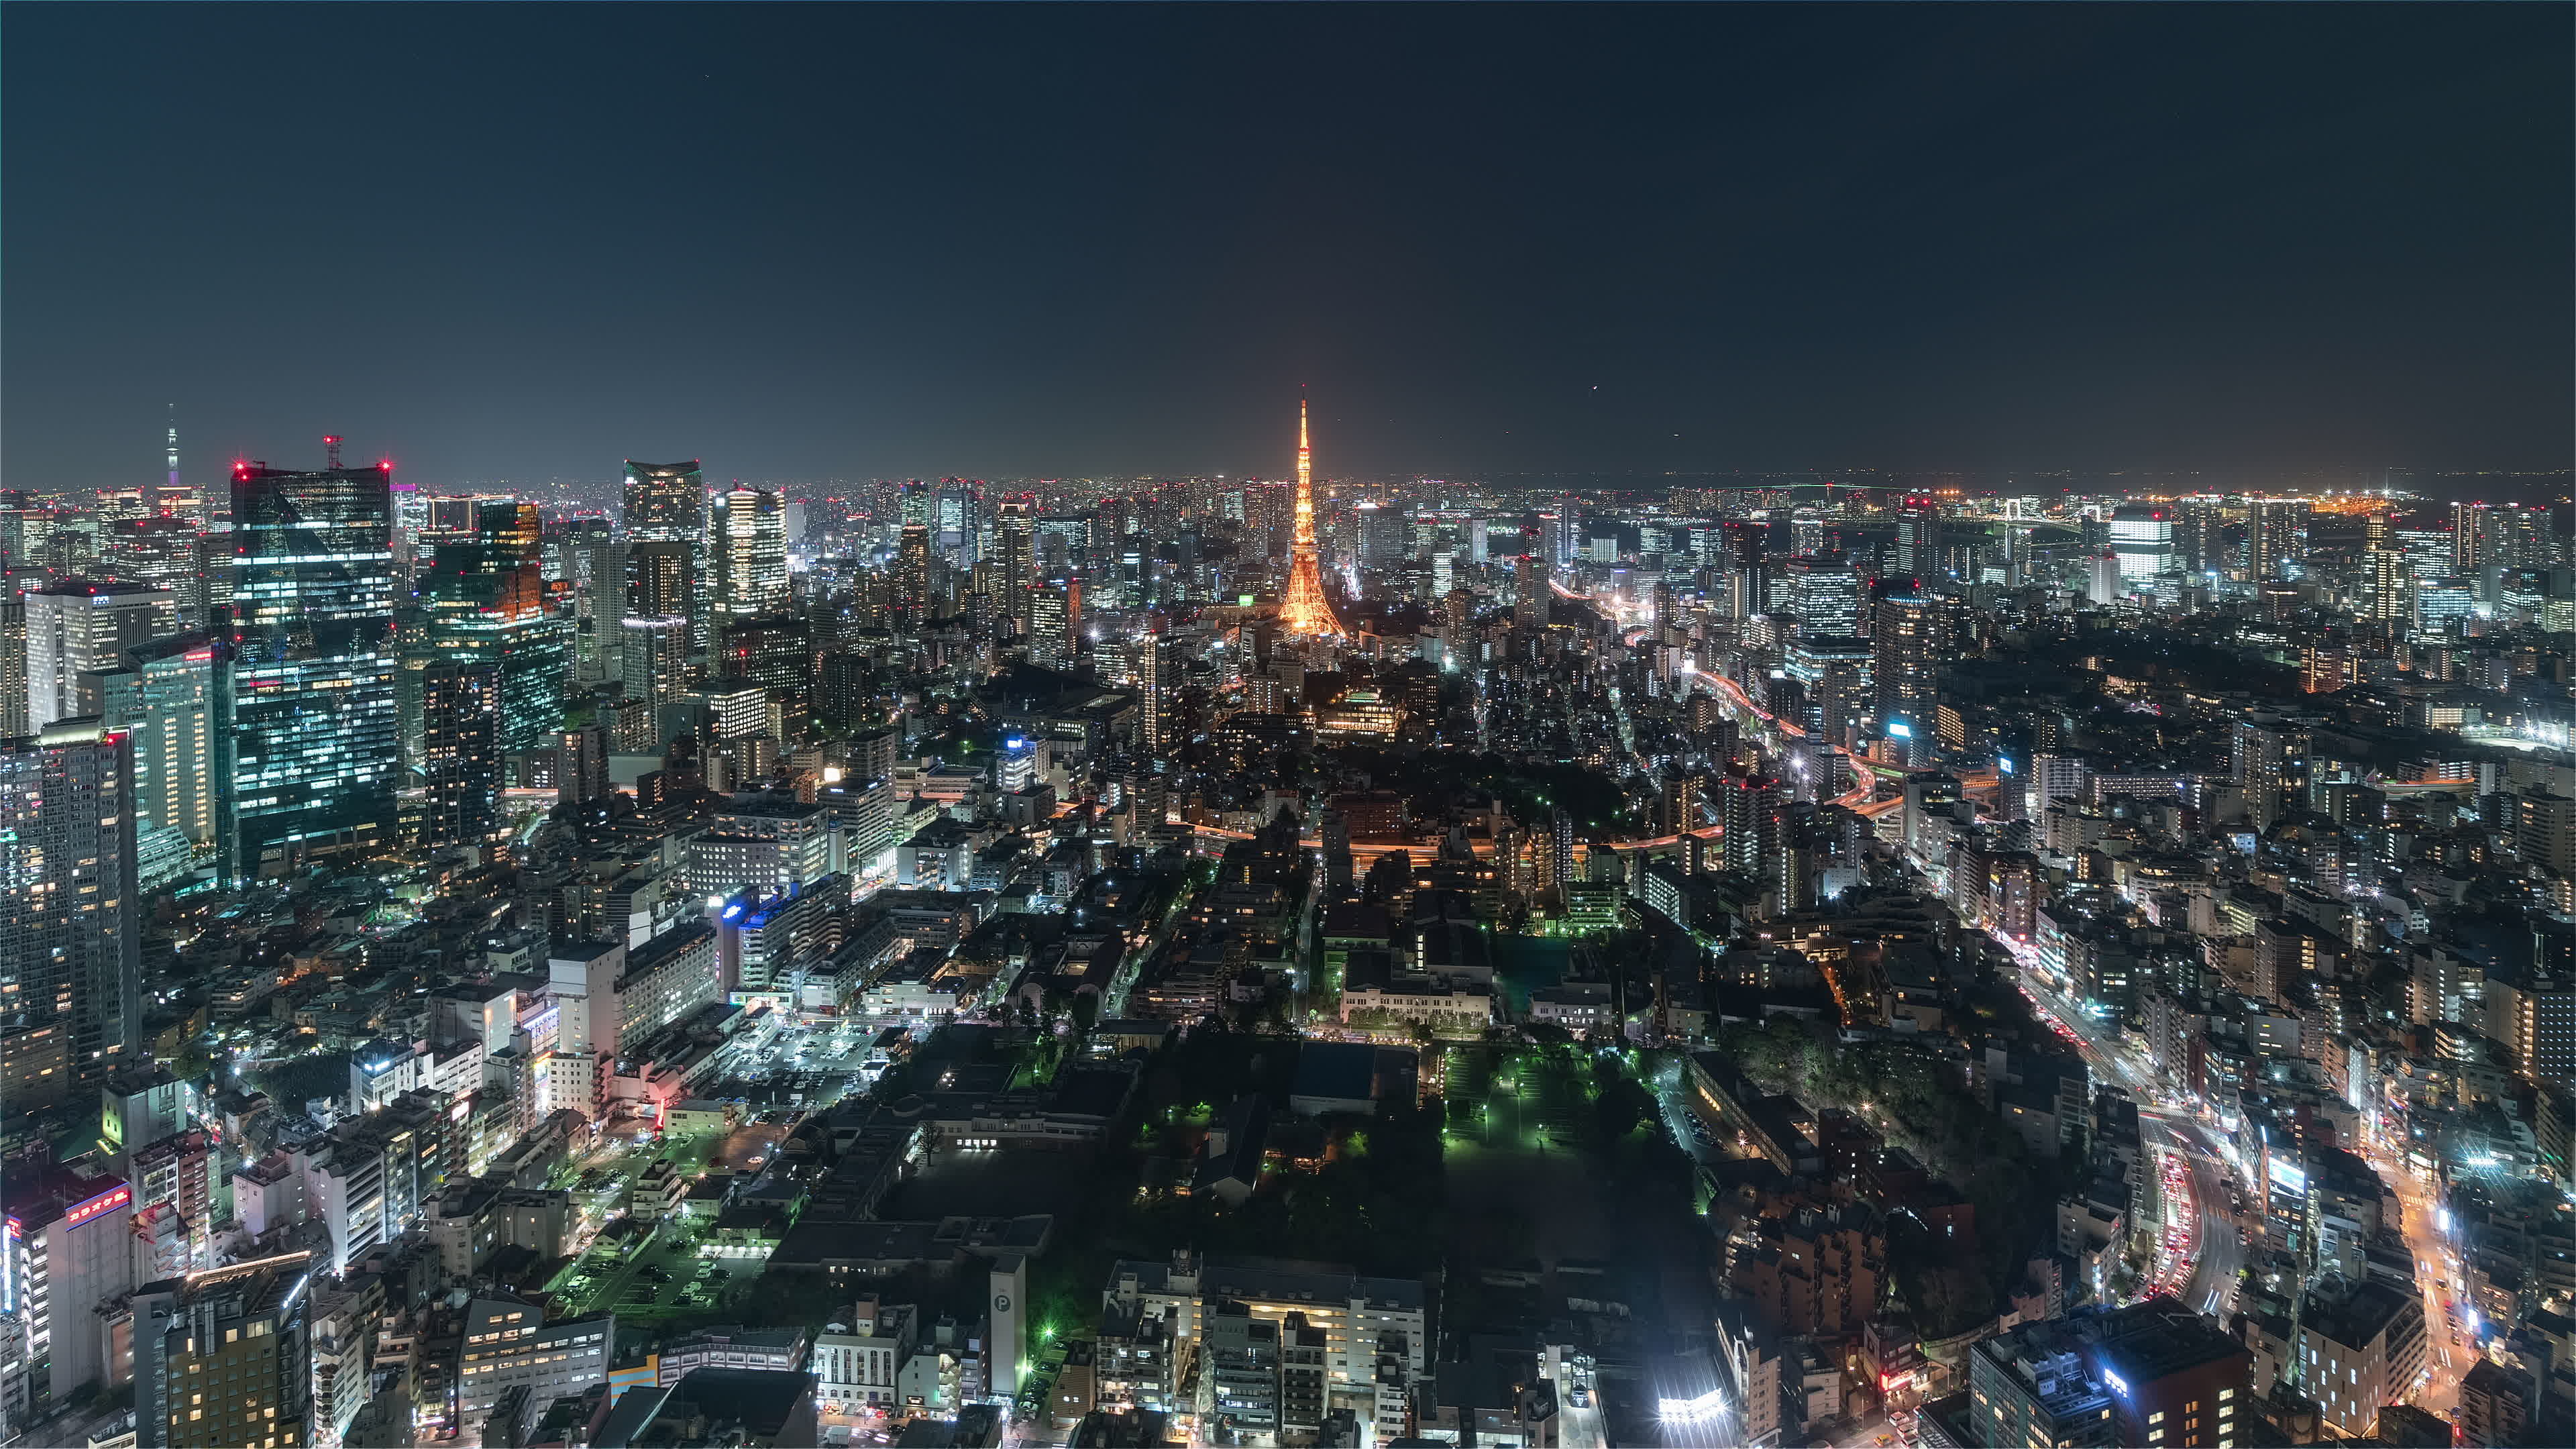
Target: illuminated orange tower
(1306,610)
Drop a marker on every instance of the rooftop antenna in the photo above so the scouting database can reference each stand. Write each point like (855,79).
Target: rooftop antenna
(331,451)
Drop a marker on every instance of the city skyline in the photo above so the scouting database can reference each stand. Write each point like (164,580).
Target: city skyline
(2314,239)
(1890,765)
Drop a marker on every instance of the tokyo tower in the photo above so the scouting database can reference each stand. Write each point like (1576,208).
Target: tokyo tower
(1306,610)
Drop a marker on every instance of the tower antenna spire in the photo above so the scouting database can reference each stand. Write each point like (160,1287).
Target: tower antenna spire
(1305,610)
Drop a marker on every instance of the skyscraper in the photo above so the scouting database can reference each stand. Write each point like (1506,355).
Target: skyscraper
(162,551)
(1905,665)
(1746,585)
(1052,625)
(70,945)
(461,728)
(2199,543)
(2142,536)
(2385,576)
(1305,610)
(1918,538)
(77,629)
(655,657)
(316,726)
(1534,602)
(2276,532)
(747,536)
(912,569)
(485,593)
(667,503)
(593,561)
(173,701)
(1157,679)
(1824,592)
(13,662)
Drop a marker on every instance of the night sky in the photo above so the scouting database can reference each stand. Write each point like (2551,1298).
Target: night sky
(801,242)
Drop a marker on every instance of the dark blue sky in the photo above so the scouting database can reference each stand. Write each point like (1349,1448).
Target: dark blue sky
(810,240)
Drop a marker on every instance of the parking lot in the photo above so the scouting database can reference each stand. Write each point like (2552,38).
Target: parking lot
(663,1278)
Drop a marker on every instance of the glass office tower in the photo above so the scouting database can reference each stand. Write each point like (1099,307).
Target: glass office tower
(316,729)
(485,598)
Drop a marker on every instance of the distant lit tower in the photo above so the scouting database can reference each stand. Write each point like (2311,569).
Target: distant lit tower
(1531,608)
(1806,531)
(171,490)
(1014,556)
(2385,571)
(1305,610)
(176,499)
(1918,538)
(912,569)
(1905,645)
(1158,677)
(2277,532)
(2199,541)
(667,503)
(1747,586)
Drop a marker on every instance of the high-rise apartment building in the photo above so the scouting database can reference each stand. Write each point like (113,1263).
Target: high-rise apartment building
(2544,830)
(655,661)
(316,725)
(1158,678)
(460,767)
(1905,665)
(2276,533)
(13,662)
(2200,536)
(70,948)
(224,1359)
(1534,599)
(2259,752)
(78,630)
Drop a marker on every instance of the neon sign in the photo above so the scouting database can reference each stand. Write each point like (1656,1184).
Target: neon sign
(106,1202)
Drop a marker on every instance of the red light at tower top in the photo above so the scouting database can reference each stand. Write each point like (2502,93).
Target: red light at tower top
(384,465)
